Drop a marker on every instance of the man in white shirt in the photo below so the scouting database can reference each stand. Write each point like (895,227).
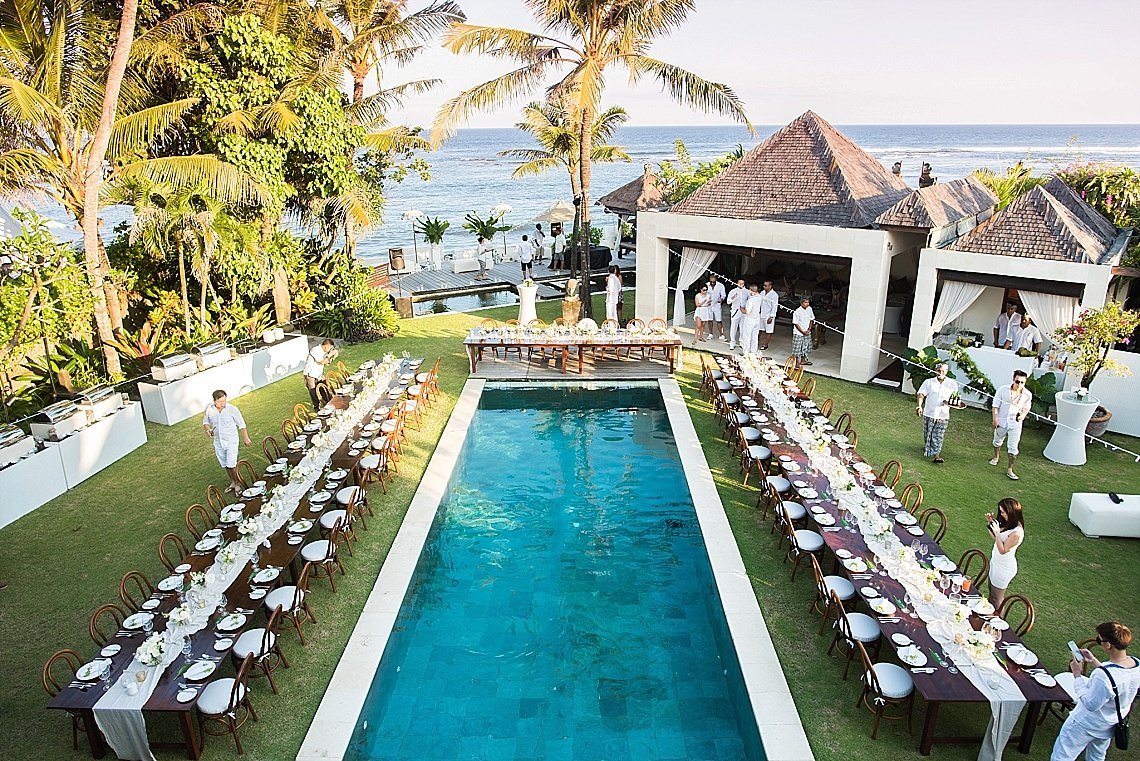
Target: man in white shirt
(319,357)
(1006,323)
(716,298)
(539,242)
(1010,408)
(736,298)
(484,256)
(223,423)
(1027,336)
(933,406)
(558,252)
(525,252)
(768,309)
(802,320)
(751,324)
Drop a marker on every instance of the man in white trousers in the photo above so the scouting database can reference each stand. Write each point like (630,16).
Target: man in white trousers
(716,300)
(751,323)
(736,298)
(769,306)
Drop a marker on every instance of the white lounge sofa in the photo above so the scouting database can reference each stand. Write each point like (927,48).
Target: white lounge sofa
(1096,515)
(467,261)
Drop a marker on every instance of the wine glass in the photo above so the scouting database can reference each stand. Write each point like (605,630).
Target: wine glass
(944,583)
(105,676)
(148,624)
(187,647)
(909,600)
(955,586)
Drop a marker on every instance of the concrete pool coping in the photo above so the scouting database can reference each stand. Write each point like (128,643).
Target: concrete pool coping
(777,720)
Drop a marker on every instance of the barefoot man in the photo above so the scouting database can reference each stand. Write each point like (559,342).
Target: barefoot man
(223,423)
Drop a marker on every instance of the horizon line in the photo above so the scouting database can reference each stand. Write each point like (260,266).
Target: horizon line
(873,124)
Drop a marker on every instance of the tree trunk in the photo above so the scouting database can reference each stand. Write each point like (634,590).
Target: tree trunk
(93,256)
(282,303)
(182,283)
(585,147)
(357,88)
(202,301)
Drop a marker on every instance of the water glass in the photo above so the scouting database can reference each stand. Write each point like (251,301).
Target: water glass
(955,586)
(943,583)
(187,646)
(105,677)
(148,625)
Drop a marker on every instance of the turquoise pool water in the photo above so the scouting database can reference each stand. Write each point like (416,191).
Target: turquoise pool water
(562,607)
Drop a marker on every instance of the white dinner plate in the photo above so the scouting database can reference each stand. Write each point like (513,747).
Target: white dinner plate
(1022,656)
(301,526)
(783,457)
(200,670)
(312,427)
(885,492)
(137,621)
(274,468)
(257,594)
(749,403)
(89,672)
(746,399)
(231,622)
(771,437)
(893,503)
(800,484)
(319,497)
(999,623)
(914,530)
(1045,680)
(295,539)
(818,510)
(187,695)
(808,493)
(791,467)
(374,426)
(869,592)
(882,607)
(901,639)
(980,605)
(843,554)
(943,563)
(255,491)
(182,568)
(336,475)
(906,519)
(855,565)
(110,650)
(839,438)
(223,644)
(296,445)
(211,532)
(266,575)
(206,544)
(912,656)
(232,514)
(149,604)
(171,583)
(862,467)
(825,520)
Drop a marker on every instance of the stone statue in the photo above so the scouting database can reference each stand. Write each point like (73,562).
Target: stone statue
(571,304)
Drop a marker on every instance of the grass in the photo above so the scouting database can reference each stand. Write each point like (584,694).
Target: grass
(66,558)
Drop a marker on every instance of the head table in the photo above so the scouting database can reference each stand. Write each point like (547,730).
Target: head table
(560,339)
(896,568)
(214,594)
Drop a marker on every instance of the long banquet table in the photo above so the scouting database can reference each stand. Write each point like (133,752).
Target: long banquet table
(479,340)
(239,596)
(937,685)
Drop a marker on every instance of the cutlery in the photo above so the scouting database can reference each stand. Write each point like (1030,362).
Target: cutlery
(889,619)
(924,670)
(831,528)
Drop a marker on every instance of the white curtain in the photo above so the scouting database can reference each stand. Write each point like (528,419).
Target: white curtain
(956,298)
(694,262)
(1049,311)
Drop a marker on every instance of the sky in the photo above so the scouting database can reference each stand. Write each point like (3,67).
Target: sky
(856,62)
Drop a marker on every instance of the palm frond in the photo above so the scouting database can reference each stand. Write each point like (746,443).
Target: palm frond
(135,132)
(688,88)
(608,154)
(166,43)
(372,109)
(23,170)
(242,122)
(23,104)
(497,92)
(501,42)
(227,183)
(398,138)
(538,166)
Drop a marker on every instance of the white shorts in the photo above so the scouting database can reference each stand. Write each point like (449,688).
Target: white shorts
(716,313)
(227,452)
(769,326)
(1014,434)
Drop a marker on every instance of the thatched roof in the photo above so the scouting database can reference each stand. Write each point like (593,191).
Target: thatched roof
(807,173)
(940,205)
(636,195)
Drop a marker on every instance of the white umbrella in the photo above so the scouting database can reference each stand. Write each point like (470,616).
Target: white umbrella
(411,215)
(561,211)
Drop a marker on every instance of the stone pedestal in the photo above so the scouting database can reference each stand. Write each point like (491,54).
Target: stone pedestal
(571,309)
(527,296)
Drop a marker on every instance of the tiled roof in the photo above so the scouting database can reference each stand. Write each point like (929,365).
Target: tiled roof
(1048,222)
(808,173)
(636,195)
(940,205)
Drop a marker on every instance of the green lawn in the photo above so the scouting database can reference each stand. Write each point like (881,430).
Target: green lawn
(66,558)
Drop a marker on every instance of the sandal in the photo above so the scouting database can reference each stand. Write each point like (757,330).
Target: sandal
(938,461)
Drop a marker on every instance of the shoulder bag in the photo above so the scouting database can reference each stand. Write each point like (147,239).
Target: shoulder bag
(1121,731)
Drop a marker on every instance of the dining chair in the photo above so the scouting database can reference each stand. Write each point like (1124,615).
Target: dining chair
(1018,607)
(808,388)
(797,375)
(825,587)
(303,412)
(323,556)
(885,685)
(752,456)
(891,473)
(198,521)
(790,366)
(411,408)
(658,324)
(293,601)
(936,516)
(971,558)
(264,646)
(342,368)
(134,589)
(290,430)
(215,500)
(911,498)
(67,661)
(271,449)
(801,542)
(844,422)
(335,379)
(852,627)
(101,623)
(489,323)
(709,375)
(826,408)
(771,503)
(783,485)
(852,437)
(323,392)
(340,525)
(225,703)
(246,475)
(377,462)
(745,436)
(172,551)
(430,382)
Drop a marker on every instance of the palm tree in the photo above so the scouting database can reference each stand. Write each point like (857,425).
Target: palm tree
(554,130)
(75,122)
(593,37)
(1016,182)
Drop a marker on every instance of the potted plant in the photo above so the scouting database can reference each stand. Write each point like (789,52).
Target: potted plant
(433,229)
(485,228)
(920,363)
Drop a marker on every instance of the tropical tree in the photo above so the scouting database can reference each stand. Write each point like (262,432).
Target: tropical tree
(1017,180)
(682,177)
(557,135)
(582,41)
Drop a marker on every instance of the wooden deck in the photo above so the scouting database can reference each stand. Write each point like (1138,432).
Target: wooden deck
(536,367)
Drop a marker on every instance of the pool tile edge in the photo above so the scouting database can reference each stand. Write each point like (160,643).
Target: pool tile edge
(329,734)
(772,705)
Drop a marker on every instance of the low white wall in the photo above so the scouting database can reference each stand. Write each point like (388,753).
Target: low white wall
(1121,395)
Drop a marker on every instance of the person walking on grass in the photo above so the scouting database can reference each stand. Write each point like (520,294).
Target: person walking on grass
(1010,408)
(1103,699)
(933,406)
(1007,528)
(769,306)
(802,321)
(224,424)
(613,294)
(736,298)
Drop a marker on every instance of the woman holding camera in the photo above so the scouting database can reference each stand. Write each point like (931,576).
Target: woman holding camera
(1007,528)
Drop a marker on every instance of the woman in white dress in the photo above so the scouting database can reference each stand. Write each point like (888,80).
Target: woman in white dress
(613,293)
(704,311)
(1008,530)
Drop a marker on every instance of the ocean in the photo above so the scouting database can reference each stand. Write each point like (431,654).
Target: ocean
(467,174)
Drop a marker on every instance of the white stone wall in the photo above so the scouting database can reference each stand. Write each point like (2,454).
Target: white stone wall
(1121,395)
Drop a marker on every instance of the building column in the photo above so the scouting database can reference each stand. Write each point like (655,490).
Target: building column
(866,302)
(652,292)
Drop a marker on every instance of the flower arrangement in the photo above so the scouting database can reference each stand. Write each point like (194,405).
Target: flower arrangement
(198,579)
(180,616)
(978,645)
(248,527)
(389,358)
(268,510)
(1090,338)
(1082,394)
(227,556)
(405,355)
(152,650)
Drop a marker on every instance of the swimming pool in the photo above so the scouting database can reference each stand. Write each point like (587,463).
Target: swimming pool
(563,606)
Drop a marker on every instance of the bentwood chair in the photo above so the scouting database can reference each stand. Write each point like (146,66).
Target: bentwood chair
(302,412)
(63,661)
(293,601)
(335,379)
(801,542)
(852,437)
(264,646)
(911,498)
(844,422)
(323,392)
(489,324)
(246,475)
(430,382)
(797,375)
(322,555)
(771,503)
(809,387)
(932,515)
(891,473)
(826,408)
(134,589)
(223,706)
(342,368)
(790,366)
(290,430)
(752,457)
(340,526)
(825,587)
(1020,608)
(215,500)
(885,686)
(271,448)
(709,375)
(198,521)
(851,628)
(105,623)
(971,559)
(171,551)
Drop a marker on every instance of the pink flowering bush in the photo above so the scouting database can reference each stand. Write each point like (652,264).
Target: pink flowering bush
(1088,340)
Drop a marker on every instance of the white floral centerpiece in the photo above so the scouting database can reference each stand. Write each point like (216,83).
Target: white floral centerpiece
(227,556)
(268,510)
(247,528)
(152,650)
(181,615)
(977,645)
(198,579)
